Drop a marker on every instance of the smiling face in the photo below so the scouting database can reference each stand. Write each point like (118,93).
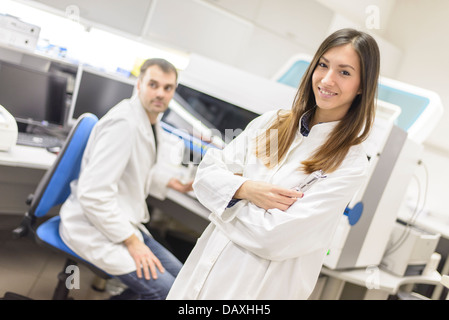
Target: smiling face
(336,82)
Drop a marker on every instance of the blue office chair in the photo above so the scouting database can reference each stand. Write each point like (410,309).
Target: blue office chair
(53,190)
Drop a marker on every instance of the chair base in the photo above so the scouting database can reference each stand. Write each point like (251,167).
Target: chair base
(62,291)
(14,296)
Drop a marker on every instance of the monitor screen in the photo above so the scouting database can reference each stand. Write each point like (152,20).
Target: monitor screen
(97,92)
(212,112)
(181,115)
(32,96)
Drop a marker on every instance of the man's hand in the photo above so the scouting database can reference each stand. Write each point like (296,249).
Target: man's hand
(143,257)
(179,186)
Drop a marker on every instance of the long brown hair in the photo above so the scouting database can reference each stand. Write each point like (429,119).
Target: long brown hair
(355,126)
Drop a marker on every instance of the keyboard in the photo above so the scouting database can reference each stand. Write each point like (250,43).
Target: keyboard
(38,140)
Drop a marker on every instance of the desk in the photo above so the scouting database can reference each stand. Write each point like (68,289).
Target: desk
(379,283)
(21,169)
(27,157)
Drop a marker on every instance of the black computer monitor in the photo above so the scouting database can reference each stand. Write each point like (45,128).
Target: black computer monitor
(212,112)
(97,92)
(32,96)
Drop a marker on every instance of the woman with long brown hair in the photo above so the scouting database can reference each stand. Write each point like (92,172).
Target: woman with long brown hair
(266,239)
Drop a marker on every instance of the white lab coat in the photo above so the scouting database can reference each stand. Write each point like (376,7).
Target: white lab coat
(107,203)
(249,253)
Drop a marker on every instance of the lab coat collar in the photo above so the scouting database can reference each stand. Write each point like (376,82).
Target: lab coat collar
(140,112)
(323,128)
(318,130)
(144,121)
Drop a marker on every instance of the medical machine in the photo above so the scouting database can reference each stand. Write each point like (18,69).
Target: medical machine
(214,102)
(364,229)
(8,130)
(405,117)
(409,250)
(235,86)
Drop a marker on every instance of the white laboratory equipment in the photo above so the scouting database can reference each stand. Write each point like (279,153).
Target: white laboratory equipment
(363,233)
(8,130)
(409,250)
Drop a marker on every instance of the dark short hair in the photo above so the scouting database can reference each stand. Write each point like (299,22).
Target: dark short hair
(165,66)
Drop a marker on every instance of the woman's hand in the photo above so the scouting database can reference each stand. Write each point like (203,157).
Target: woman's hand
(266,195)
(143,257)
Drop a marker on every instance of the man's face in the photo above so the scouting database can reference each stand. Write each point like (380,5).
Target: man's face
(155,90)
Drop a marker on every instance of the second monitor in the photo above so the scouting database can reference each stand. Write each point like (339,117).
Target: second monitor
(97,92)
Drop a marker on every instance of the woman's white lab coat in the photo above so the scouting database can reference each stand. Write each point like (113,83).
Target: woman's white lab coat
(249,253)
(107,203)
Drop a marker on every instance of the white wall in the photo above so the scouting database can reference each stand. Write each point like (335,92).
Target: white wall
(420,29)
(281,29)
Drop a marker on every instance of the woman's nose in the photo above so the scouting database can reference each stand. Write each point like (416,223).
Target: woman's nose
(328,78)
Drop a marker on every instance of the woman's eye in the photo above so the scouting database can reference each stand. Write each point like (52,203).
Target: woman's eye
(345,73)
(322,65)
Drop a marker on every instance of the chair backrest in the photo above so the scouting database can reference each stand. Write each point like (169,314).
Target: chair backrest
(54,187)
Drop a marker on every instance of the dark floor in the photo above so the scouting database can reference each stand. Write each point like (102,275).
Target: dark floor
(30,270)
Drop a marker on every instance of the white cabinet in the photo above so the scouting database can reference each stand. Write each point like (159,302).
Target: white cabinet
(128,16)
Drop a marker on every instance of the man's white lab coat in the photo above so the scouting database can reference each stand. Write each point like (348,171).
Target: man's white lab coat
(249,253)
(107,204)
